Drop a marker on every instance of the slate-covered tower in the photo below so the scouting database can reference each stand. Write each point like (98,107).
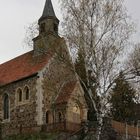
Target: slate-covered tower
(48,29)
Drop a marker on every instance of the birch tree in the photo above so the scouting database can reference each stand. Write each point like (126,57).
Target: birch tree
(101,30)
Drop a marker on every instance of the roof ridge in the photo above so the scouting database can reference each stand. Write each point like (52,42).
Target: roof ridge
(20,67)
(16,57)
(63,95)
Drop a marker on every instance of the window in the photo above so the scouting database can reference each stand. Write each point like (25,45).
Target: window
(56,28)
(22,95)
(76,113)
(6,106)
(76,109)
(19,95)
(47,117)
(60,117)
(26,93)
(42,28)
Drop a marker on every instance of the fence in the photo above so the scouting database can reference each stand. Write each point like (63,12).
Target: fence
(124,129)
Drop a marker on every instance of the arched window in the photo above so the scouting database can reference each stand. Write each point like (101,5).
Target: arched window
(47,117)
(6,106)
(56,28)
(42,28)
(26,93)
(76,109)
(19,95)
(60,117)
(77,113)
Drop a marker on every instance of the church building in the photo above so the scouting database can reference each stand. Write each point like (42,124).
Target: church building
(39,90)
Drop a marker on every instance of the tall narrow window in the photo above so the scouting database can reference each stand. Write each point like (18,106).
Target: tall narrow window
(42,28)
(6,106)
(56,28)
(19,95)
(47,117)
(27,93)
(59,117)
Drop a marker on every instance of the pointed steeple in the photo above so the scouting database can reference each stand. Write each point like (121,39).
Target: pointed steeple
(48,29)
(48,11)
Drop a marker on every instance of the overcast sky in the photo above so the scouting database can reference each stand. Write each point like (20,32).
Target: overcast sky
(15,15)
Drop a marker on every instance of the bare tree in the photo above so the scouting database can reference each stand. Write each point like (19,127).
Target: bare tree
(133,63)
(32,31)
(100,29)
(132,69)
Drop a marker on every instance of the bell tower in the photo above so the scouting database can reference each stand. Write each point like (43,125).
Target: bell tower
(48,29)
(48,22)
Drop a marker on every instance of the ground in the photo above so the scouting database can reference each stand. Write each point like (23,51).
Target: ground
(38,136)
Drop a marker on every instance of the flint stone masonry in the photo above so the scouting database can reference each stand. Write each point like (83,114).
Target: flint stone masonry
(22,115)
(55,76)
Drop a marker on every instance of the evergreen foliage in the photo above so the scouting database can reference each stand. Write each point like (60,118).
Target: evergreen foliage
(122,100)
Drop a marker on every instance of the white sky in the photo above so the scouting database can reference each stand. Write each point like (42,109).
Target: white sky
(15,15)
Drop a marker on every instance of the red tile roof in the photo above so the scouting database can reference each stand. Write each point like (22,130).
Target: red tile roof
(21,67)
(66,92)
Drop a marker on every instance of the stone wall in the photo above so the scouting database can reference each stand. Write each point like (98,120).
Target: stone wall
(56,75)
(22,115)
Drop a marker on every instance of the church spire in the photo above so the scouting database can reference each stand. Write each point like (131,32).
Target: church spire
(48,29)
(48,22)
(48,11)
